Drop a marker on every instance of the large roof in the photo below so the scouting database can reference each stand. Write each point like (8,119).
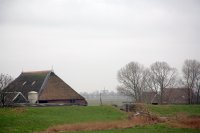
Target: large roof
(27,81)
(56,88)
(48,85)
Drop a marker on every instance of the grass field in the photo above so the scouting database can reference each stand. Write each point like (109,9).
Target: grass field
(170,110)
(39,118)
(29,119)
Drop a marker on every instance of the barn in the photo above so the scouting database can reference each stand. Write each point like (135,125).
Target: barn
(47,86)
(170,96)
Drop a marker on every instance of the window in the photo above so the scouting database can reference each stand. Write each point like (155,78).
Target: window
(33,83)
(24,83)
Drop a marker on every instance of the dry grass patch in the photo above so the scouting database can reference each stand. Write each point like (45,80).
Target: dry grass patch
(9,110)
(90,126)
(184,121)
(18,110)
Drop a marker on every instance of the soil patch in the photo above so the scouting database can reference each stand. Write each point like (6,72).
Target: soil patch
(89,126)
(185,122)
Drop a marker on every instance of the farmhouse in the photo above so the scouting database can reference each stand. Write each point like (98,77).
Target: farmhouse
(176,96)
(41,87)
(170,96)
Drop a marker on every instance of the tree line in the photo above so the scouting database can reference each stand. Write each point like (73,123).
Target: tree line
(134,79)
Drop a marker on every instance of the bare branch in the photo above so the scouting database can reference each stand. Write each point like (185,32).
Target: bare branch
(161,77)
(191,76)
(131,77)
(4,81)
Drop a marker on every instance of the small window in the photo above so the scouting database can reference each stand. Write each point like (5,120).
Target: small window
(33,83)
(24,83)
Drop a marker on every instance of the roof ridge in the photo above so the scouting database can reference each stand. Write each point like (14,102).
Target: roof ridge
(42,71)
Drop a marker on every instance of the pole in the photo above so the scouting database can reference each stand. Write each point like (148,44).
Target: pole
(100,99)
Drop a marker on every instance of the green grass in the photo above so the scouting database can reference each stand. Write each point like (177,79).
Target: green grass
(170,110)
(39,118)
(30,119)
(157,128)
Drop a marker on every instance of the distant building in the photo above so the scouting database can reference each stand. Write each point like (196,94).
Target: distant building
(176,96)
(150,97)
(45,86)
(170,96)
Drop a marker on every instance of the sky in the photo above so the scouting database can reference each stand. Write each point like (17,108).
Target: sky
(86,42)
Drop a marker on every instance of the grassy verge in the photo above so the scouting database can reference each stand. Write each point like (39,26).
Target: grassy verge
(36,119)
(170,110)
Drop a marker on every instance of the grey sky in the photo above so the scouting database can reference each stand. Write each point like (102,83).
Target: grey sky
(88,41)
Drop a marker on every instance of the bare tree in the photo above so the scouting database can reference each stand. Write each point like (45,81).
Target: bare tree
(191,77)
(4,81)
(132,81)
(161,76)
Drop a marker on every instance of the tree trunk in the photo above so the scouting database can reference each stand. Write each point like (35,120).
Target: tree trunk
(198,95)
(161,96)
(2,99)
(189,96)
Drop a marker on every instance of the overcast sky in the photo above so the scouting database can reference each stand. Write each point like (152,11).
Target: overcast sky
(88,41)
